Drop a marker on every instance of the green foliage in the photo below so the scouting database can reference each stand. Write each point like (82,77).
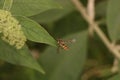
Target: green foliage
(35,32)
(1,4)
(21,57)
(30,7)
(116,77)
(113,18)
(66,65)
(71,23)
(63,65)
(55,14)
(45,21)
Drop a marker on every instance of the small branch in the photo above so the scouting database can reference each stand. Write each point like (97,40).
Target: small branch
(7,5)
(118,47)
(91,9)
(91,13)
(96,28)
(115,67)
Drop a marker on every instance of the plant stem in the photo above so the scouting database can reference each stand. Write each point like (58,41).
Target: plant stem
(7,5)
(91,13)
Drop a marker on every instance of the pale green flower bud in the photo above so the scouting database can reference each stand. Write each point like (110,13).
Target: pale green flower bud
(11,30)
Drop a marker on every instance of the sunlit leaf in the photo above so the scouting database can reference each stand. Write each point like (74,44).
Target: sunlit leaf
(35,32)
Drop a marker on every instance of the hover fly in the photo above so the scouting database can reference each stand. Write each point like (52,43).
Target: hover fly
(63,44)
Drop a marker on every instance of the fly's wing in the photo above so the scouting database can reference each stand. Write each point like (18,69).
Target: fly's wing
(70,41)
(63,44)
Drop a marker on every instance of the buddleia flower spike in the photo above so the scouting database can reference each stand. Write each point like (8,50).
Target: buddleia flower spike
(11,30)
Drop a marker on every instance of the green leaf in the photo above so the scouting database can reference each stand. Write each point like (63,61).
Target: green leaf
(101,8)
(55,14)
(113,19)
(35,32)
(32,7)
(20,57)
(66,65)
(1,4)
(50,15)
(71,23)
(116,77)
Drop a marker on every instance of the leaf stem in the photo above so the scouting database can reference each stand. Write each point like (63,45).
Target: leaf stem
(7,5)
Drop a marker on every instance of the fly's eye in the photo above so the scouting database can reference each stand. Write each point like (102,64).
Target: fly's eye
(63,44)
